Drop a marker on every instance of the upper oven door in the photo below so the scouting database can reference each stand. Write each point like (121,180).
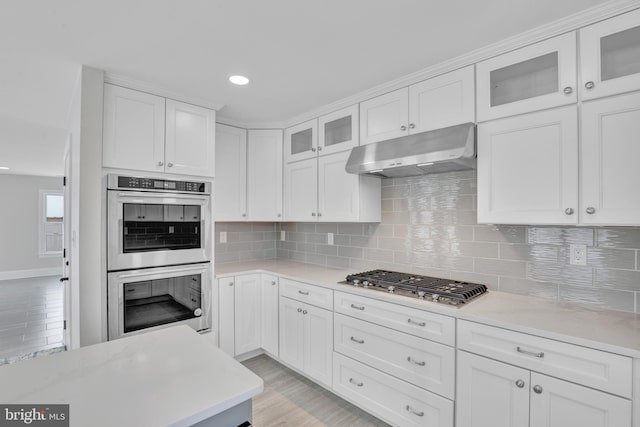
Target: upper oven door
(146,229)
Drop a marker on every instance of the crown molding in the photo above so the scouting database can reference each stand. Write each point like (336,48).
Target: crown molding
(254,125)
(128,82)
(552,29)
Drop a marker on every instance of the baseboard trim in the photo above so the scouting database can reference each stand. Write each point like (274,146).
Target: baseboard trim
(37,272)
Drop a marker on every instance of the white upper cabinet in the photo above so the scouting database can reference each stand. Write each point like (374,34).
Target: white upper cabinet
(338,131)
(536,77)
(610,56)
(301,141)
(141,134)
(609,161)
(190,139)
(231,174)
(384,117)
(439,102)
(301,191)
(264,175)
(442,101)
(133,130)
(528,168)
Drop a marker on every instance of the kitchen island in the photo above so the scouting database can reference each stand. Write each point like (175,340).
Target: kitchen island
(169,377)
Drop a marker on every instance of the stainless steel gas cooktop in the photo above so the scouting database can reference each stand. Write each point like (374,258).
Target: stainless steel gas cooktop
(445,291)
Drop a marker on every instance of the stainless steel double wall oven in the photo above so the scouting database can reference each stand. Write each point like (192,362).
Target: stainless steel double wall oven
(159,254)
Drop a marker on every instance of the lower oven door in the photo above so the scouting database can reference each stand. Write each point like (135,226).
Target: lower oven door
(154,298)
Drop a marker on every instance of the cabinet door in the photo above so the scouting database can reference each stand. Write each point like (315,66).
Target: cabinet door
(442,101)
(248,295)
(301,141)
(291,332)
(610,56)
(190,139)
(226,315)
(269,322)
(264,175)
(609,161)
(301,191)
(535,77)
(173,212)
(528,168)
(318,343)
(557,403)
(338,131)
(133,130)
(231,174)
(491,393)
(338,191)
(384,117)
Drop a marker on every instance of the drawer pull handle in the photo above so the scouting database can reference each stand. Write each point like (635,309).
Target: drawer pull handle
(303,292)
(357,307)
(356,383)
(414,412)
(357,340)
(413,322)
(409,359)
(530,353)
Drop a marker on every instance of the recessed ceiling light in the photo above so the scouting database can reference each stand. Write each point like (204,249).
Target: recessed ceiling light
(239,80)
(4,168)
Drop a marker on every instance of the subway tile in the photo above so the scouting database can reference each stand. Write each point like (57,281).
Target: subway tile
(338,262)
(441,217)
(560,273)
(378,254)
(316,238)
(387,205)
(430,245)
(288,245)
(272,235)
(393,243)
(327,249)
(475,249)
(326,228)
(500,233)
(466,202)
(239,246)
(350,228)
(489,280)
(370,229)
(451,232)
(317,259)
(386,182)
(305,227)
(350,252)
(530,253)
(396,217)
(305,247)
(362,265)
(605,298)
(283,254)
(431,272)
(220,247)
(264,244)
(610,258)
(288,226)
(399,230)
(299,256)
(341,240)
(295,236)
(421,202)
(560,236)
(227,257)
(263,226)
(385,230)
(441,261)
(363,241)
(618,238)
(617,279)
(401,259)
(400,205)
(270,253)
(418,231)
(529,287)
(395,191)
(462,217)
(500,267)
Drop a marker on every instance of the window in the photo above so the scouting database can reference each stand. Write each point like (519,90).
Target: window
(51,222)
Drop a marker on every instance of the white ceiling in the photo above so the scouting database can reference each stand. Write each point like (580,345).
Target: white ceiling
(300,54)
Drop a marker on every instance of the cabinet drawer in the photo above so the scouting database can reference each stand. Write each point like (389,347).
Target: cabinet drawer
(389,398)
(310,294)
(593,368)
(137,290)
(421,362)
(423,324)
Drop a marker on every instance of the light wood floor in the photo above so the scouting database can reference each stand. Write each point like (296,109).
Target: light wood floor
(289,399)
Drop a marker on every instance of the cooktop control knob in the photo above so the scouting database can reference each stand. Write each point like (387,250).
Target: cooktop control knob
(391,289)
(435,297)
(356,282)
(365,284)
(421,294)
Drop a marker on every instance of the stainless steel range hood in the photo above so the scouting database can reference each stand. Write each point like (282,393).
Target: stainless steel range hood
(442,150)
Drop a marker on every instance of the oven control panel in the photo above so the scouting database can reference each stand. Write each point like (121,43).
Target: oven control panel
(154,184)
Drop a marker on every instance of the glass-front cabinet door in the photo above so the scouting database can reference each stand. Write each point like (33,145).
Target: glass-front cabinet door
(338,131)
(301,141)
(533,78)
(610,56)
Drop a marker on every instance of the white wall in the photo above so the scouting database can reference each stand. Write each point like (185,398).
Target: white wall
(19,226)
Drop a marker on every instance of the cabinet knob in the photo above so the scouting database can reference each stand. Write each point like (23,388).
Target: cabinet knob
(568,211)
(170,164)
(313,150)
(403,128)
(299,310)
(589,85)
(568,90)
(412,126)
(537,389)
(319,148)
(313,214)
(520,383)
(273,283)
(230,283)
(304,311)
(319,213)
(244,214)
(591,210)
(279,215)
(160,163)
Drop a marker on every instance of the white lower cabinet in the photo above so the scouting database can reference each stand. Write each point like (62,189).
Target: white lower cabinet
(391,399)
(247,309)
(269,314)
(306,339)
(494,394)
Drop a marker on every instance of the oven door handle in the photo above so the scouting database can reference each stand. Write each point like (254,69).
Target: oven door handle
(139,195)
(156,270)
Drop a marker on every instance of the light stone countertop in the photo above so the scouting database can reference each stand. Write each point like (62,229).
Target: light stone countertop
(590,326)
(168,377)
